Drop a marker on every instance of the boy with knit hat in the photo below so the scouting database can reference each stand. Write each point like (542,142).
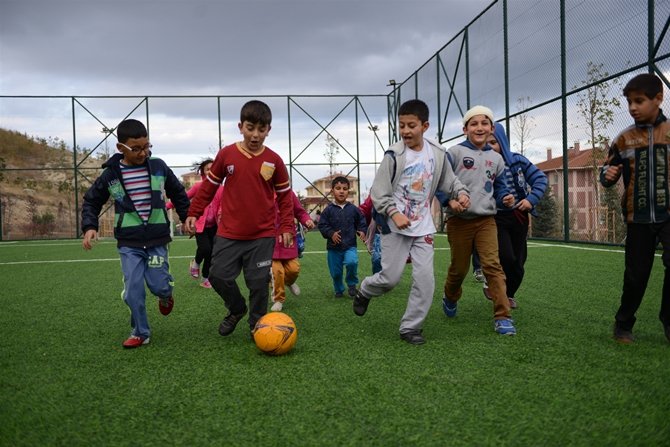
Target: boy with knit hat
(481,170)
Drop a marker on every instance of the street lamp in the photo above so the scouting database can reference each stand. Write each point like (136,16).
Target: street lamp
(374,130)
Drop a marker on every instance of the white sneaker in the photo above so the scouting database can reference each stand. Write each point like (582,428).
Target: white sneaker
(294,289)
(276,307)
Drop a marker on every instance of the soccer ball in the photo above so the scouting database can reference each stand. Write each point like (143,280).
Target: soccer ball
(275,333)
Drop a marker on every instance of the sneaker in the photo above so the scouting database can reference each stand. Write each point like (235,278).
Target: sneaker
(229,322)
(352,291)
(276,307)
(625,336)
(294,289)
(504,327)
(206,284)
(360,304)
(339,295)
(479,275)
(165,305)
(135,342)
(487,292)
(413,337)
(449,307)
(512,303)
(666,328)
(195,271)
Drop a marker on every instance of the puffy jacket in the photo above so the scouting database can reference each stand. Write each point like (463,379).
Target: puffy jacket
(348,219)
(129,230)
(643,151)
(211,210)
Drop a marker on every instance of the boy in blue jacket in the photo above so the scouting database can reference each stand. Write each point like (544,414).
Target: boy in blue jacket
(139,184)
(527,184)
(340,222)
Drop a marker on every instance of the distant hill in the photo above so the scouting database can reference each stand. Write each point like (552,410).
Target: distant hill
(42,188)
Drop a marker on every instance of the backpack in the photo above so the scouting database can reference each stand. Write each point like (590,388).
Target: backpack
(378,218)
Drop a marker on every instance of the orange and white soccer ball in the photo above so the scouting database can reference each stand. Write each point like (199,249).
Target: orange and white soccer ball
(275,333)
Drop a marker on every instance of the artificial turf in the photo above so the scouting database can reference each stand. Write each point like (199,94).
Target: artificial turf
(562,381)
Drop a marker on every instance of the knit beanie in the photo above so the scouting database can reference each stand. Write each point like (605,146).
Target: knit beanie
(477,110)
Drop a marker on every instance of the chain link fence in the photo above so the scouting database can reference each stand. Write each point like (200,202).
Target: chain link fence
(552,72)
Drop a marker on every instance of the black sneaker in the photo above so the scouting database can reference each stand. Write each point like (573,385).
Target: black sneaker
(666,328)
(413,337)
(339,295)
(360,304)
(623,335)
(352,291)
(229,322)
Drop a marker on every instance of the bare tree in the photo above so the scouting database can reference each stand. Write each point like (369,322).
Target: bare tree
(332,150)
(523,124)
(596,106)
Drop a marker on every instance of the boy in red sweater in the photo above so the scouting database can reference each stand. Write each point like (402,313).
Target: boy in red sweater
(245,238)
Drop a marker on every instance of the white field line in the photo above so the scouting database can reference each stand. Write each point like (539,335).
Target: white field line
(530,245)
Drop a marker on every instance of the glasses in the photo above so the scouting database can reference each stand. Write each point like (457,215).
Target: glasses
(137,150)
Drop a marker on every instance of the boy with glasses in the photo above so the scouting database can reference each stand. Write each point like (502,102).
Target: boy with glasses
(139,185)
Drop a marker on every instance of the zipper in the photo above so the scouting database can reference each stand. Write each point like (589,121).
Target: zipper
(652,174)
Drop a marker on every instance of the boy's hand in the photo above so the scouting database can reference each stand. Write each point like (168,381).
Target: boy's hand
(286,239)
(336,238)
(189,225)
(309,224)
(612,173)
(508,201)
(401,221)
(361,236)
(86,243)
(524,205)
(464,200)
(456,206)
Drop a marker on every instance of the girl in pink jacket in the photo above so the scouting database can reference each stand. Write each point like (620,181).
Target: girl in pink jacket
(205,226)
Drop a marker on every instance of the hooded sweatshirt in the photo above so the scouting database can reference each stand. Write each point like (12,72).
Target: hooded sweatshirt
(482,172)
(522,177)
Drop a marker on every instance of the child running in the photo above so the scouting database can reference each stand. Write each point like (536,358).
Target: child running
(640,154)
(403,189)
(245,238)
(205,227)
(139,184)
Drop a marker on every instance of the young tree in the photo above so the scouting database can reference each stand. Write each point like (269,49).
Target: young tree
(523,124)
(66,188)
(596,106)
(547,224)
(332,150)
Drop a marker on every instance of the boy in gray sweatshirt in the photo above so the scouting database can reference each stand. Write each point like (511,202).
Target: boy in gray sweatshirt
(481,170)
(402,192)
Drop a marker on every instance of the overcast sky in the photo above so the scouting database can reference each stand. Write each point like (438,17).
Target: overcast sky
(251,47)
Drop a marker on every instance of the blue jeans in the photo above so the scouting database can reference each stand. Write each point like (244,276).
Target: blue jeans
(139,265)
(337,260)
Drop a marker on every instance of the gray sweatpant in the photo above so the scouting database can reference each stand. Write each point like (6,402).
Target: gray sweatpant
(395,248)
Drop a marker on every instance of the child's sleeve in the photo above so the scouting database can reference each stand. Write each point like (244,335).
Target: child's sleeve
(94,199)
(536,179)
(360,222)
(449,186)
(175,192)
(209,186)
(613,159)
(298,211)
(284,201)
(382,187)
(324,225)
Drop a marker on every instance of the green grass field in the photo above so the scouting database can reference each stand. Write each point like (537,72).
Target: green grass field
(562,381)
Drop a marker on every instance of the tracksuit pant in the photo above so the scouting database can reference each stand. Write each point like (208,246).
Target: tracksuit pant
(512,247)
(337,261)
(254,258)
(140,265)
(285,272)
(203,252)
(640,251)
(396,247)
